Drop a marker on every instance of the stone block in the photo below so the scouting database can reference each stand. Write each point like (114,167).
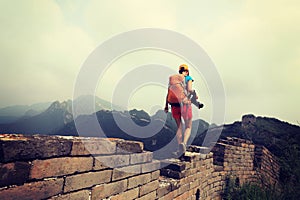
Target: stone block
(139,180)
(80,195)
(190,156)
(138,158)
(105,190)
(124,172)
(127,195)
(86,180)
(36,190)
(185,196)
(172,174)
(149,187)
(197,149)
(194,184)
(150,167)
(148,196)
(174,165)
(169,196)
(164,188)
(14,173)
(22,148)
(183,188)
(111,161)
(95,146)
(98,164)
(60,166)
(155,175)
(126,147)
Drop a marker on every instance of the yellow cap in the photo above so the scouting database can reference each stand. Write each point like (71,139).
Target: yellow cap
(183,67)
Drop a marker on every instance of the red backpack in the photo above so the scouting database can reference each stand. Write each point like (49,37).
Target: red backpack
(177,89)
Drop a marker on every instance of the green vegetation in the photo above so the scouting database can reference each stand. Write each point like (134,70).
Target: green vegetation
(248,191)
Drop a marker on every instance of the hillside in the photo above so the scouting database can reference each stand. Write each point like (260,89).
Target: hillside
(281,138)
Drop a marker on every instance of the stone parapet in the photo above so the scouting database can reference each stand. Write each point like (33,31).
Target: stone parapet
(57,168)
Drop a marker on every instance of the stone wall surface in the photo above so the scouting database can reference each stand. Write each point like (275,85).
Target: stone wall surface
(59,168)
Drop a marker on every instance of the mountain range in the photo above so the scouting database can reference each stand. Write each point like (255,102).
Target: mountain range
(281,138)
(57,119)
(12,113)
(45,118)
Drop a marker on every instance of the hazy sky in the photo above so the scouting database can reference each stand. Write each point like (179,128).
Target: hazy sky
(254,45)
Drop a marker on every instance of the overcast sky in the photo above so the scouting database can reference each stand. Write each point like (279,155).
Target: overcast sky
(253,44)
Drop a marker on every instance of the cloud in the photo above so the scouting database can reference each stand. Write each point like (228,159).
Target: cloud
(107,18)
(40,52)
(256,53)
(254,45)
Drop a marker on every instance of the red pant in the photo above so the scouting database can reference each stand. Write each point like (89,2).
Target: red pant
(185,111)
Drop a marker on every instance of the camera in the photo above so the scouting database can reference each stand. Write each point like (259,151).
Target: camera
(193,97)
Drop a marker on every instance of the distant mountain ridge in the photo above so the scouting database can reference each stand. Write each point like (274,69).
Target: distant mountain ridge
(12,113)
(54,117)
(38,119)
(19,110)
(15,113)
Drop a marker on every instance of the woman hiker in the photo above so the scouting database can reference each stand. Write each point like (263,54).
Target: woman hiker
(183,110)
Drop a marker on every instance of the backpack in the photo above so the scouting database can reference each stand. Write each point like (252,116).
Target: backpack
(177,89)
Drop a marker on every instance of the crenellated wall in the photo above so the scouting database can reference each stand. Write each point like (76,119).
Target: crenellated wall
(266,165)
(57,168)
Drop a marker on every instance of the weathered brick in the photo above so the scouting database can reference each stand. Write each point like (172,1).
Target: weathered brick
(98,165)
(111,161)
(129,147)
(194,184)
(14,173)
(149,187)
(35,190)
(190,156)
(164,188)
(124,172)
(86,180)
(183,181)
(148,196)
(144,157)
(197,149)
(93,146)
(60,166)
(155,175)
(139,180)
(128,195)
(185,196)
(169,196)
(20,147)
(183,188)
(174,165)
(80,195)
(172,174)
(109,189)
(150,167)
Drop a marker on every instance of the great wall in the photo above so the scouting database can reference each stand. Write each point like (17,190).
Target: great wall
(77,168)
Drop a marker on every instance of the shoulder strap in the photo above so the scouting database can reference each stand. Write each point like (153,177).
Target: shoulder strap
(184,85)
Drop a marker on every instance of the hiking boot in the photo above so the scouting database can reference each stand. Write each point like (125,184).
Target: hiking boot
(182,148)
(175,154)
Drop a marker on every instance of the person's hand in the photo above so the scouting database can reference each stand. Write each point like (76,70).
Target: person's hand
(166,109)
